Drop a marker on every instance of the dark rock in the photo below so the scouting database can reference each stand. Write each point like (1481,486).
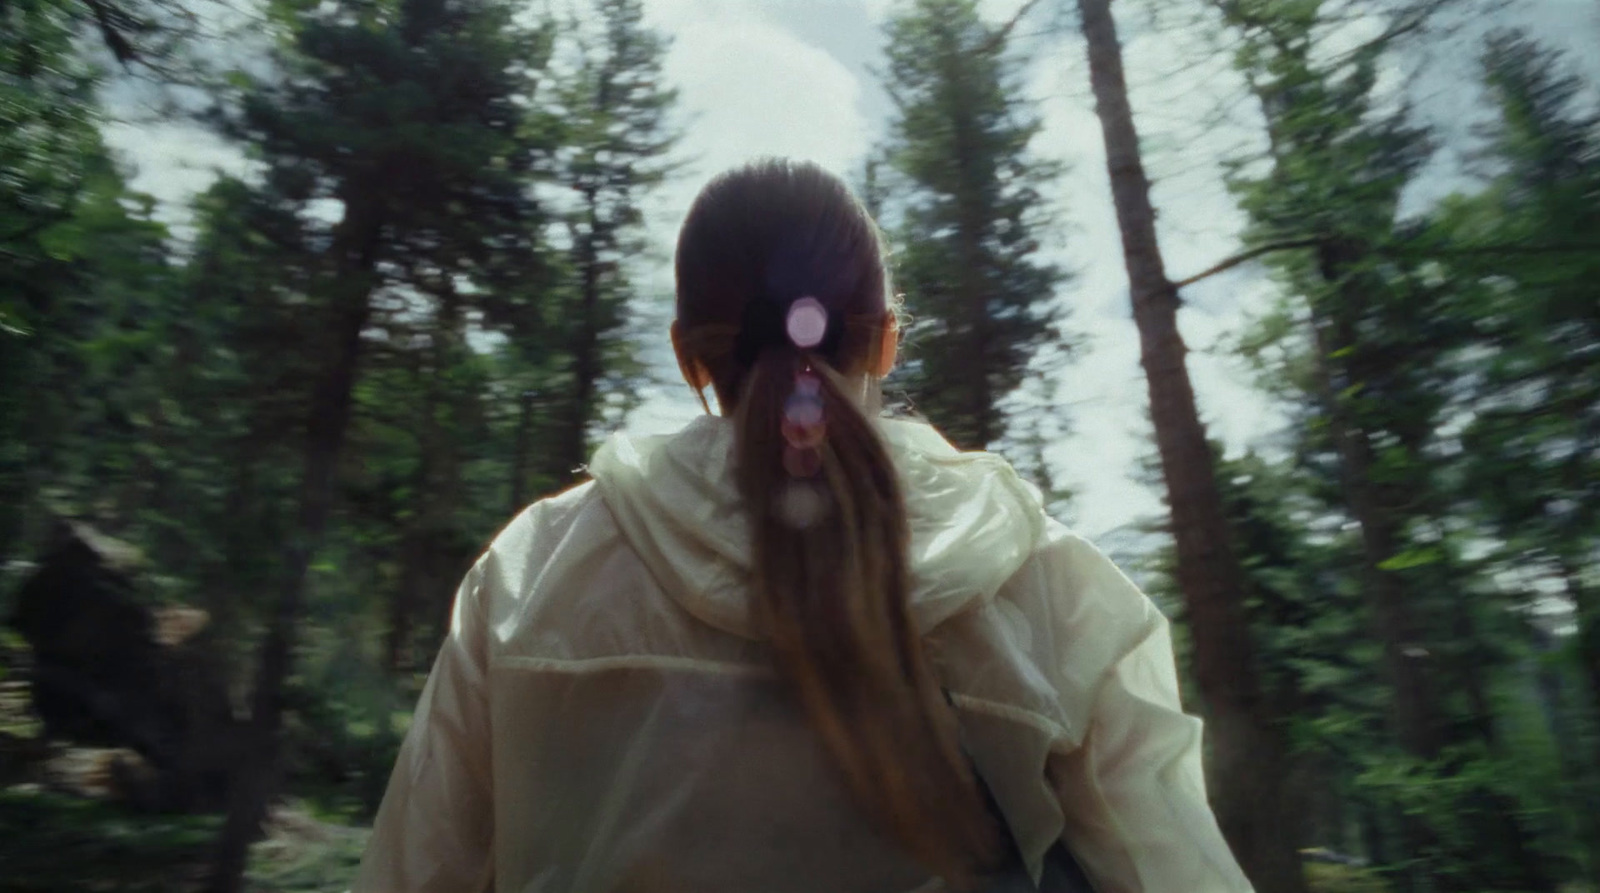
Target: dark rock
(108,671)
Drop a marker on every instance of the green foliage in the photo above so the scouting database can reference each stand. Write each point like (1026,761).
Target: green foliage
(611,112)
(405,172)
(81,293)
(1531,454)
(1332,878)
(56,842)
(1392,336)
(967,217)
(346,718)
(308,858)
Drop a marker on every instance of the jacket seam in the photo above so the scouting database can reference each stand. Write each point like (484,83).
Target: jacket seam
(583,666)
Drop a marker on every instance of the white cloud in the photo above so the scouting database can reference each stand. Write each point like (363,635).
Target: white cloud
(671,15)
(749,89)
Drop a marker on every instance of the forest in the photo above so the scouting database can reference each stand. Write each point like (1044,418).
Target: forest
(247,450)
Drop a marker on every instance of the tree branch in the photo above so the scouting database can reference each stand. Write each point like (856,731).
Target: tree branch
(1245,257)
(998,39)
(1388,250)
(111,21)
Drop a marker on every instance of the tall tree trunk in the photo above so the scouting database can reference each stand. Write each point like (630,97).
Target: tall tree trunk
(981,411)
(329,420)
(1413,710)
(519,452)
(585,348)
(402,605)
(442,550)
(1586,605)
(1416,715)
(1253,797)
(1374,836)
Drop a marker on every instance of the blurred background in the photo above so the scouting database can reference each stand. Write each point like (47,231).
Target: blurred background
(301,300)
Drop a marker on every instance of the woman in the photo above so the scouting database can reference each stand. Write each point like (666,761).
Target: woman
(767,653)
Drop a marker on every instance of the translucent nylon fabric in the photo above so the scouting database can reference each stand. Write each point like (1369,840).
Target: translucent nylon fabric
(604,715)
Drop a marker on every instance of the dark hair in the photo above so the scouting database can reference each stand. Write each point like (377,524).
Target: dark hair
(833,596)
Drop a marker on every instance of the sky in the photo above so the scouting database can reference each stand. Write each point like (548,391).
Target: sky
(797,78)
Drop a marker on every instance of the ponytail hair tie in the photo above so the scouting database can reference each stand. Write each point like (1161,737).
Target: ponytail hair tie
(804,427)
(802,322)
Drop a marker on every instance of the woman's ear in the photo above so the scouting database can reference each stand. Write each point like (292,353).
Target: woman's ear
(694,372)
(888,348)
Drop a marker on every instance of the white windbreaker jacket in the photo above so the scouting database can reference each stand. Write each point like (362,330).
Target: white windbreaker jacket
(603,717)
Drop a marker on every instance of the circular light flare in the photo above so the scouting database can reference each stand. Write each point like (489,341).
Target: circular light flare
(807,323)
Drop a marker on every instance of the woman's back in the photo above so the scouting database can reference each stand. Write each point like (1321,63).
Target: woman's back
(790,648)
(606,717)
(634,747)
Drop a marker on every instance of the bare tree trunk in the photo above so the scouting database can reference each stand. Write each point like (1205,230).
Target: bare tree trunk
(1253,795)
(329,420)
(519,452)
(574,450)
(1374,836)
(443,560)
(981,411)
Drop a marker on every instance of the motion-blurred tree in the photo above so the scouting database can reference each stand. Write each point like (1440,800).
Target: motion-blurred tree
(1523,255)
(968,223)
(614,113)
(1533,447)
(1305,612)
(1249,758)
(395,136)
(1375,331)
(81,268)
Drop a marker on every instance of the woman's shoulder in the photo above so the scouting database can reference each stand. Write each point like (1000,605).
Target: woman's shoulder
(542,526)
(944,483)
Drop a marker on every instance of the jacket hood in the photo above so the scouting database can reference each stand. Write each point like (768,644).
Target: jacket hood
(973,520)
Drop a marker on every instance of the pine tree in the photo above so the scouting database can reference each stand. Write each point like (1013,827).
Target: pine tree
(81,261)
(1534,466)
(1306,619)
(409,121)
(968,223)
(421,424)
(1374,370)
(1523,256)
(614,117)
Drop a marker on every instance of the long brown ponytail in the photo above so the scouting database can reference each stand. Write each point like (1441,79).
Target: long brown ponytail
(833,594)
